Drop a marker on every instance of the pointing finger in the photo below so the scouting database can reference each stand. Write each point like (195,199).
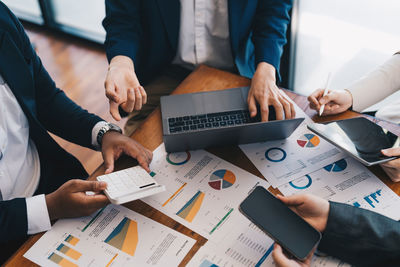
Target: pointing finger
(114,110)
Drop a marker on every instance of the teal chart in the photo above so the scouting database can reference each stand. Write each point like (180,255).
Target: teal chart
(337,166)
(302,183)
(179,158)
(372,199)
(275,154)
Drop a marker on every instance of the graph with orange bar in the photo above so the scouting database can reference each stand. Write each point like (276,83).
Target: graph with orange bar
(57,259)
(192,207)
(70,252)
(124,237)
(72,240)
(111,261)
(174,194)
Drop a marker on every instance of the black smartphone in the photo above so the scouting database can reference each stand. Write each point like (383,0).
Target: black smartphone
(282,224)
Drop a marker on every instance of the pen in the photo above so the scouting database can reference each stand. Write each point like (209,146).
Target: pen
(321,109)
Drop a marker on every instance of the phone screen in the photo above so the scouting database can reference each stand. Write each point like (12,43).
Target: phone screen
(282,224)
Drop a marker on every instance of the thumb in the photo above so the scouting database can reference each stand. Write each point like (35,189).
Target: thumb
(391,152)
(278,256)
(108,156)
(82,186)
(294,200)
(114,110)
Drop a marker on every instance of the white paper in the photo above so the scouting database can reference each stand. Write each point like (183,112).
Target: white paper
(282,161)
(196,195)
(248,246)
(248,254)
(348,181)
(100,240)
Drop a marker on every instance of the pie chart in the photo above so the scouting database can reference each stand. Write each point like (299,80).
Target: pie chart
(178,158)
(308,140)
(302,183)
(275,154)
(222,179)
(337,166)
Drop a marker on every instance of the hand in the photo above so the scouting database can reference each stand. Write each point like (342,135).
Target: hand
(281,260)
(335,101)
(264,91)
(114,144)
(70,200)
(392,168)
(123,88)
(313,209)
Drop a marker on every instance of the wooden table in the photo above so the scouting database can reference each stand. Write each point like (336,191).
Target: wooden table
(150,135)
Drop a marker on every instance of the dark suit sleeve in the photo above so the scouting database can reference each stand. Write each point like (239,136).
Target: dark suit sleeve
(269,34)
(361,237)
(123,27)
(13,219)
(58,113)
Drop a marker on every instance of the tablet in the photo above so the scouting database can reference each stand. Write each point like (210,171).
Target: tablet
(359,137)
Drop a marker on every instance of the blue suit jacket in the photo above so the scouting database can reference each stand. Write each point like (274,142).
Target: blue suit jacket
(361,237)
(147,31)
(47,109)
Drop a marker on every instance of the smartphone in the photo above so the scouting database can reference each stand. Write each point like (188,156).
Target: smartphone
(282,224)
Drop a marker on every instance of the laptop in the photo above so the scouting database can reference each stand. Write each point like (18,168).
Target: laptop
(217,118)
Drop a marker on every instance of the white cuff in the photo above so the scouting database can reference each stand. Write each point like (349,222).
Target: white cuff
(376,85)
(38,215)
(95,132)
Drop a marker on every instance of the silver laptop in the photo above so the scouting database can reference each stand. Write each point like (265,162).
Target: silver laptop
(217,118)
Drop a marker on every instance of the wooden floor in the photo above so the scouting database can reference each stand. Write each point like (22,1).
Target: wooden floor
(79,68)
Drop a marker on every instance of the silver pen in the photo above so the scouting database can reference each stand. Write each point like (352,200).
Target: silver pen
(328,81)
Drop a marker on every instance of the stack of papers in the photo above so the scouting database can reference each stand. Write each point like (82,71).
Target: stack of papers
(203,192)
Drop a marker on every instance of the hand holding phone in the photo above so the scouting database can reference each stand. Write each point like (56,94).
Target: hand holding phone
(281,259)
(312,209)
(282,224)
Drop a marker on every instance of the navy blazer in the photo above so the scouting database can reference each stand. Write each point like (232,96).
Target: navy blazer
(47,108)
(361,237)
(147,31)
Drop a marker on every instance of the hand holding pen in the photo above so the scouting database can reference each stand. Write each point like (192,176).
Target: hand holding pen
(328,102)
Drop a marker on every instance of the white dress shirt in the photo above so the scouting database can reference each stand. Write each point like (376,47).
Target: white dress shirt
(20,165)
(378,85)
(19,160)
(204,35)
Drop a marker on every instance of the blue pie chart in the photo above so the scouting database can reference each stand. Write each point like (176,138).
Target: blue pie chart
(337,166)
(275,154)
(302,183)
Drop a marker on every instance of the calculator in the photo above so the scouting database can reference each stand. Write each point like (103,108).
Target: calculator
(130,184)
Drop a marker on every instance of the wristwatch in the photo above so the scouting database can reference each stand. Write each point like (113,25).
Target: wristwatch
(106,128)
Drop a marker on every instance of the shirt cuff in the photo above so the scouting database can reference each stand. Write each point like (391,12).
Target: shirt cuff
(95,132)
(37,214)
(376,85)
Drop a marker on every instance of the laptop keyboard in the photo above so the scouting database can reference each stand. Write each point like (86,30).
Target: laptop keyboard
(211,121)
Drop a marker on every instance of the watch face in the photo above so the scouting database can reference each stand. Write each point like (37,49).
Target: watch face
(115,127)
